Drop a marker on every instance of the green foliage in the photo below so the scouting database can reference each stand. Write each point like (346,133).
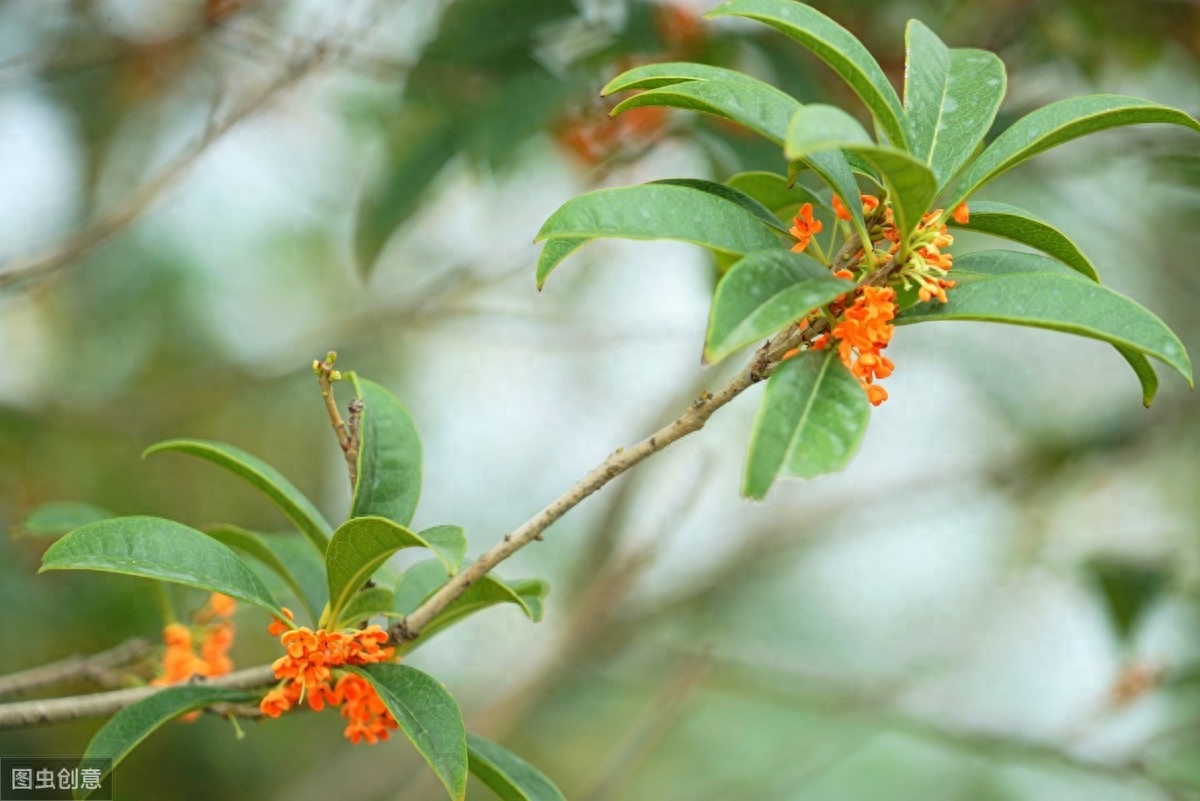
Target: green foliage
(389,457)
(506,774)
(296,566)
(53,519)
(1018,225)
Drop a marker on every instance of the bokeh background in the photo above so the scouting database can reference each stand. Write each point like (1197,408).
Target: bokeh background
(998,601)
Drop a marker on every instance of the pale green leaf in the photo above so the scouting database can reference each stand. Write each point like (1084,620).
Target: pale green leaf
(668,73)
(59,517)
(773,191)
(366,604)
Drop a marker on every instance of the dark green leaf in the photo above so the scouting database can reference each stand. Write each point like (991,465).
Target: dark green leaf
(506,774)
(1033,290)
(389,457)
(1018,225)
(299,509)
(951,98)
(762,293)
(732,195)
(838,48)
(1130,589)
(1055,124)
(154,548)
(812,419)
(127,729)
(264,550)
(53,519)
(429,717)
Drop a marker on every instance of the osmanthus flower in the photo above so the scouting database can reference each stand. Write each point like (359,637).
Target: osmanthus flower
(180,661)
(804,228)
(308,671)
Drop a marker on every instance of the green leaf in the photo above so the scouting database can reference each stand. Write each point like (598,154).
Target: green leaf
(838,48)
(126,730)
(732,195)
(1018,225)
(506,774)
(1033,290)
(389,457)
(660,211)
(758,106)
(1144,372)
(553,252)
(366,604)
(265,551)
(773,191)
(910,185)
(1055,124)
(429,717)
(951,98)
(53,519)
(362,544)
(762,293)
(154,548)
(653,76)
(812,419)
(424,579)
(299,509)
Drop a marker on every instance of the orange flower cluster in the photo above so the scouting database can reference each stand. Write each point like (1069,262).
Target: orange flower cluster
(929,264)
(863,333)
(804,228)
(180,661)
(307,673)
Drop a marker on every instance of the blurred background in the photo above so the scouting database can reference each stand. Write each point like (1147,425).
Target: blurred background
(998,601)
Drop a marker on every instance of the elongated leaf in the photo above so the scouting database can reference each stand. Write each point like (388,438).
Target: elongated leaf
(389,457)
(910,185)
(653,76)
(758,106)
(154,548)
(366,604)
(773,191)
(660,211)
(305,564)
(506,774)
(54,519)
(127,729)
(732,195)
(252,544)
(812,419)
(762,293)
(553,252)
(951,98)
(1018,225)
(1055,124)
(1143,370)
(838,48)
(429,717)
(1033,290)
(362,544)
(833,167)
(299,509)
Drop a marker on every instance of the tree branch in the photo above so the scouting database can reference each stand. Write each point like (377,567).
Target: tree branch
(96,667)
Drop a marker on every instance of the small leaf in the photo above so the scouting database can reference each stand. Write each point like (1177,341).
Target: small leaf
(429,717)
(762,293)
(749,102)
(812,419)
(1033,290)
(1055,124)
(653,76)
(1018,225)
(951,97)
(1143,370)
(362,544)
(265,550)
(838,48)
(679,212)
(299,509)
(506,774)
(365,604)
(54,519)
(154,548)
(389,457)
(773,191)
(126,730)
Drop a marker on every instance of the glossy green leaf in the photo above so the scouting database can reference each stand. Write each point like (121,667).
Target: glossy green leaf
(127,729)
(264,550)
(910,185)
(660,211)
(758,106)
(951,97)
(299,509)
(773,191)
(53,519)
(429,717)
(1055,124)
(838,48)
(389,457)
(159,549)
(762,293)
(1018,225)
(812,419)
(1033,290)
(669,73)
(366,604)
(731,194)
(506,774)
(362,544)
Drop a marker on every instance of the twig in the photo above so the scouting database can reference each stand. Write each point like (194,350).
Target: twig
(347,433)
(24,714)
(96,668)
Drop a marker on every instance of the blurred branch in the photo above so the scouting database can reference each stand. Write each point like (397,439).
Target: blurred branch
(25,714)
(96,668)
